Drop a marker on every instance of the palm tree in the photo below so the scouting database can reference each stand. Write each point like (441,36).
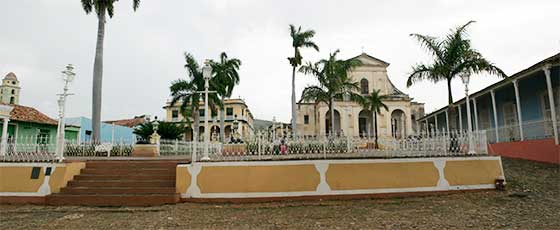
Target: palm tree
(188,93)
(225,73)
(167,130)
(451,56)
(374,102)
(101,8)
(300,39)
(334,82)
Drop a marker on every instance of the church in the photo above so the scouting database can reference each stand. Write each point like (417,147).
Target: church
(350,118)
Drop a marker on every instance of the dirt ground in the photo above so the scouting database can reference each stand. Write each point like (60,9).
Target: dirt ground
(532,201)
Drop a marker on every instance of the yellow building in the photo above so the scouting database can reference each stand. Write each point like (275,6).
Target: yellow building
(352,119)
(238,118)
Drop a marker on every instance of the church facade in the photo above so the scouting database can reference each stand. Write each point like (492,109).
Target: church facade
(350,118)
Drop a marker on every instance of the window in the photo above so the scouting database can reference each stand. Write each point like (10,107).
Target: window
(364,86)
(12,100)
(174,114)
(201,112)
(13,91)
(214,113)
(306,119)
(229,111)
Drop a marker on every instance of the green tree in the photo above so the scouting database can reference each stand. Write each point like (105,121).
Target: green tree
(452,55)
(374,103)
(187,93)
(334,82)
(226,78)
(167,130)
(300,39)
(102,8)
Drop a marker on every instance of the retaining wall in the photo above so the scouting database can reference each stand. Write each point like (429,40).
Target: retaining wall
(284,179)
(19,184)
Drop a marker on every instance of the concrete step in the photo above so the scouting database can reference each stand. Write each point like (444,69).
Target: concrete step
(128,171)
(112,200)
(118,190)
(124,177)
(121,183)
(131,164)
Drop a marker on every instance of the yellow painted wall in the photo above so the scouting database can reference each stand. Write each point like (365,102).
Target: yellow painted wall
(382,175)
(62,175)
(18,179)
(472,172)
(182,179)
(274,178)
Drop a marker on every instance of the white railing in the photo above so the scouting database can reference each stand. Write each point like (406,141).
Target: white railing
(30,149)
(43,149)
(260,147)
(536,129)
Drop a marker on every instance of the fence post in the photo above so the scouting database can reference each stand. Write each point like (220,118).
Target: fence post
(348,144)
(325,147)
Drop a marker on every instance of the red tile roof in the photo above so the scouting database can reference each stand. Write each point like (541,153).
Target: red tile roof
(128,122)
(29,114)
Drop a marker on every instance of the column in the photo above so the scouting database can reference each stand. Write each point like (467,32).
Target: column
(551,101)
(518,102)
(435,118)
(475,115)
(427,126)
(4,142)
(460,119)
(447,119)
(495,115)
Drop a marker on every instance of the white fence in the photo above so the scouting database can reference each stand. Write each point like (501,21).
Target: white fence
(43,149)
(327,147)
(261,147)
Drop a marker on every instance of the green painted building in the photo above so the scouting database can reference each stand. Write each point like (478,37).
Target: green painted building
(28,125)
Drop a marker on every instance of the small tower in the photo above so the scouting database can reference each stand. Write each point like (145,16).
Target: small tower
(9,90)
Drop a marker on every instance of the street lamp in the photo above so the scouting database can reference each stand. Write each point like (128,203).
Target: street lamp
(206,74)
(67,77)
(465,77)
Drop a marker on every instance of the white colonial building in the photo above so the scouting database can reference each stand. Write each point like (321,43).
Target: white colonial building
(352,119)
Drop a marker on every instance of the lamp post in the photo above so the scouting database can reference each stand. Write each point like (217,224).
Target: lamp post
(465,78)
(68,77)
(206,74)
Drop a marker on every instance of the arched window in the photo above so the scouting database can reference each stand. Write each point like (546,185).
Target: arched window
(12,100)
(364,86)
(13,91)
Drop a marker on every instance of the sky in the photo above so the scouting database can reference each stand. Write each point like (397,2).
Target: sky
(144,49)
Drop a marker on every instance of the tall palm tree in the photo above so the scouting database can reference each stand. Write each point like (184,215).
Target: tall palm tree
(374,103)
(300,39)
(187,92)
(101,8)
(334,82)
(451,55)
(226,78)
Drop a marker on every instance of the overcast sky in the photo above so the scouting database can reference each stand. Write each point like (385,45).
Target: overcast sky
(144,49)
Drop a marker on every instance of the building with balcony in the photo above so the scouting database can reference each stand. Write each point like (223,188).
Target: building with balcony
(237,118)
(520,113)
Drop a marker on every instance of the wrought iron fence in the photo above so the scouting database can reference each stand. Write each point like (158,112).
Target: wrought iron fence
(261,147)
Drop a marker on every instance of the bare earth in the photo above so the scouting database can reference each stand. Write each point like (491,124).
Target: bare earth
(532,201)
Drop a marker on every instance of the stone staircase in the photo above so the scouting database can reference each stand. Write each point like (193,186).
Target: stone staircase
(121,183)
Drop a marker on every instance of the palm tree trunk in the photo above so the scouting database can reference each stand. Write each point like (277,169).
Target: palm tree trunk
(331,111)
(375,121)
(222,122)
(294,127)
(449,91)
(98,77)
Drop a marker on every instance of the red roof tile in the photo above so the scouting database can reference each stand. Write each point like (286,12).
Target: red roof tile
(29,114)
(128,122)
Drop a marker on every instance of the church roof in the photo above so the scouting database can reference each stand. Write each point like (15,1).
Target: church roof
(371,57)
(10,76)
